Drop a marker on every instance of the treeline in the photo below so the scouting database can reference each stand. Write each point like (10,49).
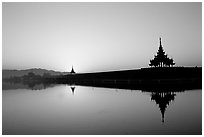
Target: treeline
(33,77)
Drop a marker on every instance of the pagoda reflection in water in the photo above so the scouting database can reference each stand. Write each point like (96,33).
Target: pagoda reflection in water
(72,89)
(163,99)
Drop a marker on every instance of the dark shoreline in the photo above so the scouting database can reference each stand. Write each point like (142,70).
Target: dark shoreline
(147,85)
(167,77)
(176,78)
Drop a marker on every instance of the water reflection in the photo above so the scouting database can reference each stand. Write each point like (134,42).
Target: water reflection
(72,89)
(103,111)
(162,97)
(163,100)
(26,85)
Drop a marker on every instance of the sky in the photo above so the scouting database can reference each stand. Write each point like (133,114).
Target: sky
(94,37)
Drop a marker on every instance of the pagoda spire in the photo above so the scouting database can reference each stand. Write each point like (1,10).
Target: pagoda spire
(160,42)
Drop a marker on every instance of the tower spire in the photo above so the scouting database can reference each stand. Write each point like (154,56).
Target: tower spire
(160,41)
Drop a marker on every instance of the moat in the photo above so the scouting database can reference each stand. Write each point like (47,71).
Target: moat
(69,109)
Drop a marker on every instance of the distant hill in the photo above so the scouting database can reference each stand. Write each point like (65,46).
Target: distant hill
(37,71)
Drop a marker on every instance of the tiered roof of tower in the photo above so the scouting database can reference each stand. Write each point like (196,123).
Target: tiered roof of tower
(161,59)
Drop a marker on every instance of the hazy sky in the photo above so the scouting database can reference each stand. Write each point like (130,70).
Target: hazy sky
(99,36)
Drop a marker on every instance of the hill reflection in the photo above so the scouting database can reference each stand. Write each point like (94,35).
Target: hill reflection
(7,85)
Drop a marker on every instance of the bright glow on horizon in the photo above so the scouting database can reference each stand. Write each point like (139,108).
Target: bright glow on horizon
(99,36)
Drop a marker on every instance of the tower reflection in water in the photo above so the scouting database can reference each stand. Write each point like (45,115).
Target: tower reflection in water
(163,98)
(72,89)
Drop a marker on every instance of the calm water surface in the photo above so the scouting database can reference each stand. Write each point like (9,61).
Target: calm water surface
(87,110)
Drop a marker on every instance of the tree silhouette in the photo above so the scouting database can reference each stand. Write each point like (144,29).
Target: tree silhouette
(161,60)
(46,75)
(171,62)
(31,74)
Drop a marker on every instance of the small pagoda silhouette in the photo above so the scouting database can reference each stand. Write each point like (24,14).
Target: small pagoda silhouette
(161,60)
(72,71)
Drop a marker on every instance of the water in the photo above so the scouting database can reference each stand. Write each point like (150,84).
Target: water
(60,109)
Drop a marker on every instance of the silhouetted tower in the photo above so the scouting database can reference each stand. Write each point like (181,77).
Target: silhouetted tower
(161,60)
(72,71)
(161,54)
